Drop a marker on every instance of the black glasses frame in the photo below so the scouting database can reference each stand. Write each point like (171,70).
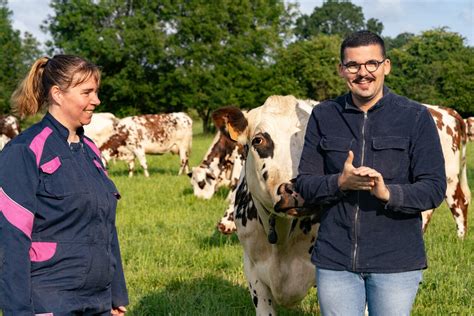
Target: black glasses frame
(354,71)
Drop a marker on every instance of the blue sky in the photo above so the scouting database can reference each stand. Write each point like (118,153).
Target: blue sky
(397,16)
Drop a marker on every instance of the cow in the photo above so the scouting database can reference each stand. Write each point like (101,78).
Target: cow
(276,246)
(101,127)
(9,128)
(136,136)
(220,167)
(470,128)
(453,136)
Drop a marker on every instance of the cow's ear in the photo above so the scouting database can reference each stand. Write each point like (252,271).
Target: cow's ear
(230,121)
(234,135)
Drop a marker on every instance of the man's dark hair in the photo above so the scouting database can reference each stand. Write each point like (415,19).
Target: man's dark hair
(362,38)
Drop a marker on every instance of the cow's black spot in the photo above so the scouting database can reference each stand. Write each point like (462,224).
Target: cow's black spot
(306,225)
(255,301)
(244,209)
(265,176)
(263,144)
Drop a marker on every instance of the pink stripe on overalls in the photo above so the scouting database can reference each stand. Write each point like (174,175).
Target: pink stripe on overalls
(16,214)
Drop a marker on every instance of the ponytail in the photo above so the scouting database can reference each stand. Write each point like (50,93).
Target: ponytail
(30,95)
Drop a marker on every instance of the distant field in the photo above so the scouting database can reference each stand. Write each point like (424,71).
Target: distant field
(177,264)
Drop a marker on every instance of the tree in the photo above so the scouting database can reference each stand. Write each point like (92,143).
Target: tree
(173,55)
(221,50)
(436,68)
(124,37)
(16,55)
(308,69)
(335,17)
(374,26)
(397,42)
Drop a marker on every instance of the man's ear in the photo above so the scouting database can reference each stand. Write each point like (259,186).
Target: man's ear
(340,70)
(387,66)
(56,94)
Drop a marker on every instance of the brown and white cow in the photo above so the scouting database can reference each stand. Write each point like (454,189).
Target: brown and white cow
(9,128)
(470,128)
(452,133)
(136,136)
(220,167)
(101,127)
(276,247)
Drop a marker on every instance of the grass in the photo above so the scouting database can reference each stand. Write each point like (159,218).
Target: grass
(177,264)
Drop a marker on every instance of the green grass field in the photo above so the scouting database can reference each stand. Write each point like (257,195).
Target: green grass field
(177,264)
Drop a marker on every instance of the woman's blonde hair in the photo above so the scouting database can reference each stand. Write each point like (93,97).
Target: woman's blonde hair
(64,71)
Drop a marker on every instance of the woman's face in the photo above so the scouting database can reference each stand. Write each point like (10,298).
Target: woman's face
(78,103)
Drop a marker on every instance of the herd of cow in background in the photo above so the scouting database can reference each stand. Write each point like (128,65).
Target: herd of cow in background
(255,154)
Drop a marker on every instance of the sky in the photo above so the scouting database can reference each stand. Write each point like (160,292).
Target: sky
(397,16)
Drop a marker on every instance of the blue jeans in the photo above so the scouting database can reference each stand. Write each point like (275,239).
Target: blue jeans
(346,293)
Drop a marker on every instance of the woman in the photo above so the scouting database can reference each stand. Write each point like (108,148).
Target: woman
(59,252)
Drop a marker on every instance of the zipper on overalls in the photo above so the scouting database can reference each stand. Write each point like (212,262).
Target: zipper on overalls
(356,217)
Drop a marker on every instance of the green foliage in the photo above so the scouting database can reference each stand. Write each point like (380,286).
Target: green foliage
(16,54)
(173,55)
(397,42)
(435,68)
(335,17)
(314,75)
(220,52)
(126,38)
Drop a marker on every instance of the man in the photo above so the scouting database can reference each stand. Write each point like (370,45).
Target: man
(373,160)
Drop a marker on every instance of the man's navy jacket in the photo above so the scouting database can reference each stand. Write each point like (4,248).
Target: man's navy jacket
(59,250)
(398,138)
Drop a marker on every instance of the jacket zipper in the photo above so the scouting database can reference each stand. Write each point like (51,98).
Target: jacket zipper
(356,217)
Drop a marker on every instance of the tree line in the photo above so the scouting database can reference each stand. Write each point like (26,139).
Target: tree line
(199,55)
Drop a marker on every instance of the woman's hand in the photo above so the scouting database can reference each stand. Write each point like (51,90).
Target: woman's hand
(121,310)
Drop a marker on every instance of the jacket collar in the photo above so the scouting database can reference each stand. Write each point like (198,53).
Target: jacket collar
(60,129)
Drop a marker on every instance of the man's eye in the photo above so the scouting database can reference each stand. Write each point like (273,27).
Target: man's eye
(372,63)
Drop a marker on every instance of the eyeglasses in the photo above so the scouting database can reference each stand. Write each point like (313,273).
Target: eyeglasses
(370,66)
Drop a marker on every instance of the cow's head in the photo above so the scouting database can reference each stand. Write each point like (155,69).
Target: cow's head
(273,134)
(204,182)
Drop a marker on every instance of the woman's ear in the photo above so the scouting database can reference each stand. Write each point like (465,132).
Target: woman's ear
(56,95)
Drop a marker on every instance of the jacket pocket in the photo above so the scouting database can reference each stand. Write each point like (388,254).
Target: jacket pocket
(65,269)
(335,152)
(60,177)
(391,156)
(42,251)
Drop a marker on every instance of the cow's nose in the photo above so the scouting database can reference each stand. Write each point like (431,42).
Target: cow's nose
(286,189)
(201,184)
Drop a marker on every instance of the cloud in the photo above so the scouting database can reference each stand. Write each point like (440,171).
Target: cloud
(28,15)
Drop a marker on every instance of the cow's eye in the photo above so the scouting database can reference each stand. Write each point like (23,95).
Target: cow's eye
(258,140)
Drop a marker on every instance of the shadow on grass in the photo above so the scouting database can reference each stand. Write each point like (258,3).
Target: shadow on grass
(218,240)
(222,192)
(204,296)
(121,172)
